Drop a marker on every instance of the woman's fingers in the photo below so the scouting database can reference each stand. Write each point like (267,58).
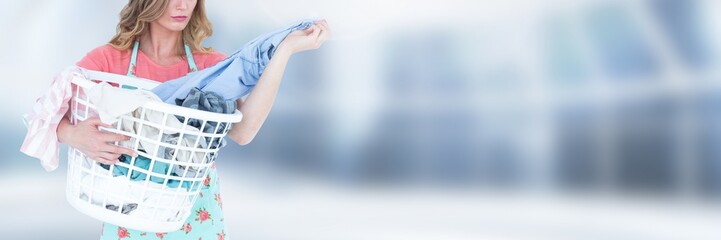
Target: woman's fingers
(97,123)
(113,137)
(309,38)
(106,158)
(322,22)
(93,121)
(315,33)
(122,150)
(312,29)
(109,153)
(110,156)
(115,149)
(324,33)
(98,145)
(322,36)
(107,147)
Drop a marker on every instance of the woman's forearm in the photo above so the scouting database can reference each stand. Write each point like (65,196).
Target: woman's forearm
(64,129)
(257,105)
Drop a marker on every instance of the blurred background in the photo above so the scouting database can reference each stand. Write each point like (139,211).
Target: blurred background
(428,119)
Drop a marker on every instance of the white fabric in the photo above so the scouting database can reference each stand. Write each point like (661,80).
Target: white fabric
(112,102)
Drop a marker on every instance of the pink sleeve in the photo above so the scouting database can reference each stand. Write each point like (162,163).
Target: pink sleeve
(41,140)
(95,60)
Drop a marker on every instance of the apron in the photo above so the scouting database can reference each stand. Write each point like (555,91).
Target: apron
(206,218)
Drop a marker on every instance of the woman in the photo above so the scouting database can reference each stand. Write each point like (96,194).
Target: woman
(162,33)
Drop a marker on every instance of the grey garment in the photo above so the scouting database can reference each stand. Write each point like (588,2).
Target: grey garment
(205,101)
(127,208)
(211,102)
(183,155)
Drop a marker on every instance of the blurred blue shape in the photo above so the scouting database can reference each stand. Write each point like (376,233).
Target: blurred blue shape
(681,22)
(394,151)
(622,50)
(577,152)
(426,64)
(646,143)
(708,108)
(566,62)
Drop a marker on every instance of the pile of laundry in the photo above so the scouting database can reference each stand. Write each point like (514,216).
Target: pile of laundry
(160,135)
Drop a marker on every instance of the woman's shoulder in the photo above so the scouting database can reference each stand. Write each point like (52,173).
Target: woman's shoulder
(100,58)
(106,51)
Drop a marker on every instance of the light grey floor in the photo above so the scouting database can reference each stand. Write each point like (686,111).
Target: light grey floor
(272,207)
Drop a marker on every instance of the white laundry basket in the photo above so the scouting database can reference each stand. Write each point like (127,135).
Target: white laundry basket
(155,191)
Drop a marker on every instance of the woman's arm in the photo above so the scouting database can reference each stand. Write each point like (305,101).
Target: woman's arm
(86,137)
(257,105)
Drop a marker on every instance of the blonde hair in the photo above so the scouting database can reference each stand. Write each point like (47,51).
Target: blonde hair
(136,16)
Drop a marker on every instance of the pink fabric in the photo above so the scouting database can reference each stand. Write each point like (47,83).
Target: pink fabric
(41,140)
(108,59)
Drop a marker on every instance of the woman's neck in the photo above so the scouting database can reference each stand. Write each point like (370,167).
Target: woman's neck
(162,46)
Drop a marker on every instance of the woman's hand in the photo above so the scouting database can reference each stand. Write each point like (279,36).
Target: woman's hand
(97,145)
(310,38)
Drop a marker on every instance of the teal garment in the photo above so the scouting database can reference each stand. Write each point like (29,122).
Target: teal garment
(206,220)
(144,163)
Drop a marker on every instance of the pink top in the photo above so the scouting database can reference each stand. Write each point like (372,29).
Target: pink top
(108,59)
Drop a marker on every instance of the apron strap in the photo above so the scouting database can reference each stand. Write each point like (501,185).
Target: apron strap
(134,59)
(191,60)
